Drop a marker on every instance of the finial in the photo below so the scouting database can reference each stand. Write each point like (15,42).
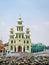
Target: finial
(11,28)
(19,16)
(19,19)
(27,27)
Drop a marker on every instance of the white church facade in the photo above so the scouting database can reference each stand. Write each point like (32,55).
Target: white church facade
(20,41)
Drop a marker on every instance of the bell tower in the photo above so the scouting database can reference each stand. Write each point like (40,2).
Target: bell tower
(19,33)
(11,40)
(27,41)
(11,33)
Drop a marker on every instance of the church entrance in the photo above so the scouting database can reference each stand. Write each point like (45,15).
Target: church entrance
(19,49)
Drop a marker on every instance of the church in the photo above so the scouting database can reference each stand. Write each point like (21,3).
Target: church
(19,41)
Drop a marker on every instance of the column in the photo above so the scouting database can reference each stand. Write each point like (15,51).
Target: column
(22,48)
(16,48)
(13,49)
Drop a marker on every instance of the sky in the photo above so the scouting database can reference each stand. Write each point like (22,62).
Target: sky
(34,13)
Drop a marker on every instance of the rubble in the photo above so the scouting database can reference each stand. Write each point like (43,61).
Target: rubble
(33,60)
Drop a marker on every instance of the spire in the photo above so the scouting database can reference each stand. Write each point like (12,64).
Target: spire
(19,19)
(11,32)
(11,29)
(27,32)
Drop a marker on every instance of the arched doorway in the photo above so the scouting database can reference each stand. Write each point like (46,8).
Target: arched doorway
(24,49)
(19,49)
(14,49)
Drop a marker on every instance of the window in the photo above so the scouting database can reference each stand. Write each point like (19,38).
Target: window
(21,28)
(27,47)
(11,32)
(11,41)
(17,28)
(27,41)
(16,35)
(19,22)
(24,41)
(27,32)
(27,36)
(19,36)
(11,47)
(22,36)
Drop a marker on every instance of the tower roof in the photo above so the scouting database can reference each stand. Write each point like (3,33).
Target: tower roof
(19,19)
(11,28)
(27,28)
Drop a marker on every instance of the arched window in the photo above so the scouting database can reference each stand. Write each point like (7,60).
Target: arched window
(19,35)
(27,41)
(11,41)
(24,41)
(11,47)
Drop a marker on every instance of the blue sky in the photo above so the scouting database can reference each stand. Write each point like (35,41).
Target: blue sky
(34,13)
